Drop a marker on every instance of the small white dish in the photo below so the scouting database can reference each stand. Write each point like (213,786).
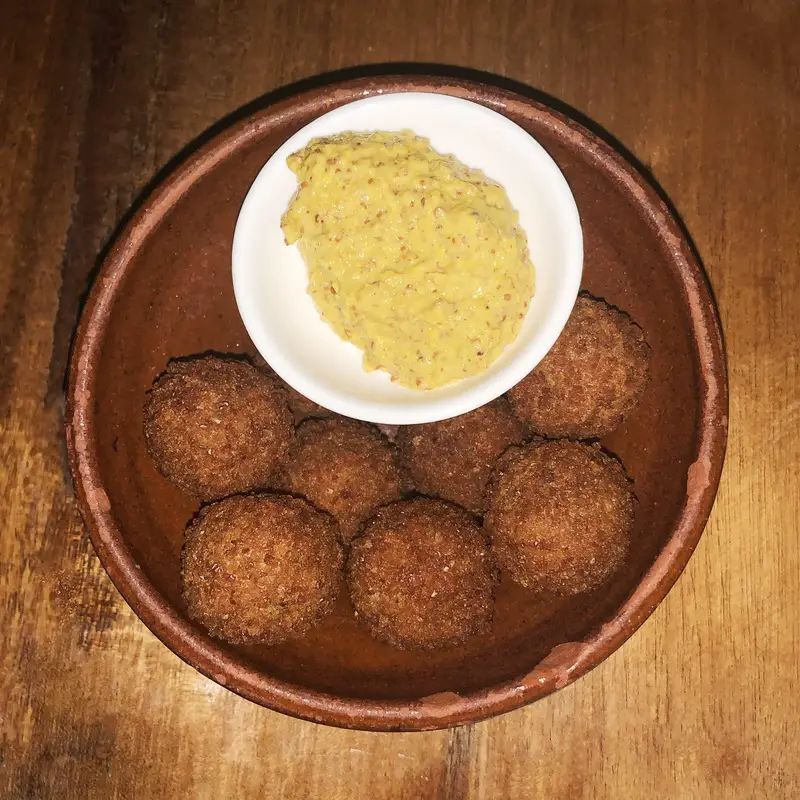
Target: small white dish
(270,278)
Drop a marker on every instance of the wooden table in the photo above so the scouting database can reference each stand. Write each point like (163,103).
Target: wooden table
(704,701)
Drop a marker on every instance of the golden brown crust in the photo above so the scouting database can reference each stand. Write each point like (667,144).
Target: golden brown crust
(421,575)
(590,380)
(261,568)
(454,458)
(300,406)
(560,516)
(344,467)
(217,426)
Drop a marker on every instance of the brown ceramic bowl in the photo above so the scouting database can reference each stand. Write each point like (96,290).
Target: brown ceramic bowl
(165,290)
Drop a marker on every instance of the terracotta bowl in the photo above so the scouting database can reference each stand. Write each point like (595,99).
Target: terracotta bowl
(165,290)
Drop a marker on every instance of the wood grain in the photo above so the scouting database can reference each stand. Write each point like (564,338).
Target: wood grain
(704,701)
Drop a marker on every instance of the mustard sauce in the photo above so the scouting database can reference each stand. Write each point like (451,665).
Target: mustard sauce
(412,256)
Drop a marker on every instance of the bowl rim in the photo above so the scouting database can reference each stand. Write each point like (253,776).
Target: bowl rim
(567,661)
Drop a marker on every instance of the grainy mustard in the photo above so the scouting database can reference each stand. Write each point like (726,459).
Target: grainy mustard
(412,256)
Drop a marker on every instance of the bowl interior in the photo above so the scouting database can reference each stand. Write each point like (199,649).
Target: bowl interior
(270,279)
(176,298)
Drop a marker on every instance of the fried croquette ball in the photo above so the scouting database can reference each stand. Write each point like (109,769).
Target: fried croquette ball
(421,575)
(453,459)
(300,406)
(344,467)
(590,380)
(560,516)
(216,426)
(260,568)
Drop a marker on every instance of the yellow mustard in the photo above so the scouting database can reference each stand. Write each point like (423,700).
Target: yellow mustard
(412,256)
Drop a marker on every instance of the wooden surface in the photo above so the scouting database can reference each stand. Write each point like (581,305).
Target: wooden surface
(704,701)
